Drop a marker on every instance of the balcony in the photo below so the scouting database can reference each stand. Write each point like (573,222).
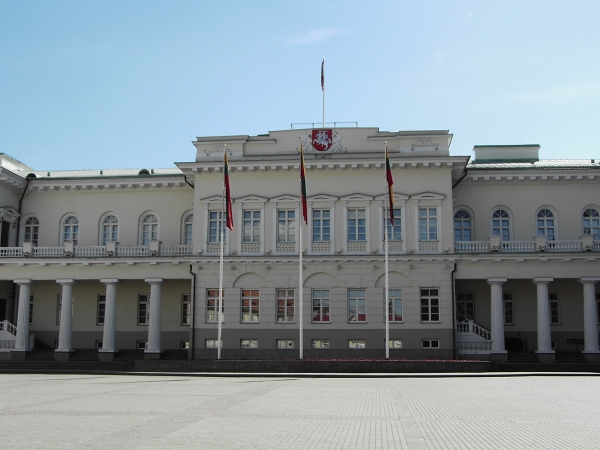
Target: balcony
(538,245)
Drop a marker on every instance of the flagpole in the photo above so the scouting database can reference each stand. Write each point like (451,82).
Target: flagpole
(387,286)
(323,88)
(221,225)
(300,283)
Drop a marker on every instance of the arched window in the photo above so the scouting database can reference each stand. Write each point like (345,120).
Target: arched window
(149,230)
(462,225)
(32,230)
(188,223)
(545,224)
(591,223)
(501,224)
(110,229)
(70,231)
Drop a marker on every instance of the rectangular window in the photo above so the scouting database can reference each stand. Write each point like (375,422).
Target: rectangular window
(465,306)
(184,345)
(30,309)
(357,305)
(250,305)
(251,226)
(98,345)
(58,308)
(285,344)
(286,226)
(320,305)
(212,302)
(395,305)
(357,225)
(428,224)
(430,343)
(210,343)
(319,344)
(509,311)
(554,309)
(285,305)
(249,343)
(216,227)
(101,309)
(355,344)
(430,305)
(395,232)
(143,309)
(141,345)
(321,225)
(395,343)
(186,309)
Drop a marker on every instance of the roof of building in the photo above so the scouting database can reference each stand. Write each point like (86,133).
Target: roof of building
(541,164)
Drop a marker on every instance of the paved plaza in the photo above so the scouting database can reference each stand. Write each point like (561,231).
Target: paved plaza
(187,412)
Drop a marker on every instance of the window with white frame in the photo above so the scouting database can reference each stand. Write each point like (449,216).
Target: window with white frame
(58,308)
(211,343)
(320,305)
(248,343)
(554,308)
(251,226)
(32,230)
(430,343)
(357,344)
(321,344)
(430,305)
(285,305)
(285,344)
(321,225)
(465,306)
(212,308)
(394,233)
(186,309)
(286,226)
(184,345)
(70,230)
(357,305)
(101,309)
(216,227)
(591,223)
(509,310)
(250,305)
(395,343)
(395,305)
(149,230)
(501,224)
(462,226)
(143,309)
(188,225)
(357,225)
(110,229)
(30,309)
(545,223)
(428,224)
(99,345)
(141,345)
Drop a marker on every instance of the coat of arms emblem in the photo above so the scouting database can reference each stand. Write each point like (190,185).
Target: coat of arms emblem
(322,139)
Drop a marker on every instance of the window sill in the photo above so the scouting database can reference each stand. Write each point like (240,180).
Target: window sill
(431,322)
(285,323)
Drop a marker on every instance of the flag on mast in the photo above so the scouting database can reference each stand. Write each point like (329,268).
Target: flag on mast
(323,75)
(390,183)
(303,186)
(228,209)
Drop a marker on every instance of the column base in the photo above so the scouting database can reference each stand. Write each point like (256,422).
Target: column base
(546,357)
(152,354)
(499,357)
(62,355)
(18,355)
(107,355)
(592,357)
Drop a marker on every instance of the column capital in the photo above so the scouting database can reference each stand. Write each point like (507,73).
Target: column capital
(497,280)
(542,280)
(154,280)
(581,280)
(21,282)
(66,281)
(110,281)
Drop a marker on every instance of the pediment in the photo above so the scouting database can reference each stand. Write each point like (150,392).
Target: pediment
(397,196)
(322,198)
(284,198)
(428,196)
(251,199)
(355,197)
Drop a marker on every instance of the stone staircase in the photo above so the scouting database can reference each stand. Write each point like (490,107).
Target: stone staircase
(570,358)
(473,339)
(522,358)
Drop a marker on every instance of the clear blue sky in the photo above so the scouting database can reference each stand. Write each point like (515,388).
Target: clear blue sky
(123,84)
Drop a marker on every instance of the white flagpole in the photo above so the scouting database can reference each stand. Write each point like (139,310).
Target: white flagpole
(323,88)
(222,236)
(387,286)
(300,281)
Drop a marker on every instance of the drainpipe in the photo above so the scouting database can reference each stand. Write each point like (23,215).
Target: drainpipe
(193,313)
(453,313)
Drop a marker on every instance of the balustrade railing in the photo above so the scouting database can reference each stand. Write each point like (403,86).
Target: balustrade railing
(563,246)
(395,246)
(5,325)
(90,252)
(285,247)
(517,246)
(250,248)
(356,247)
(429,246)
(7,344)
(48,252)
(471,247)
(470,327)
(320,247)
(176,250)
(474,346)
(11,252)
(137,250)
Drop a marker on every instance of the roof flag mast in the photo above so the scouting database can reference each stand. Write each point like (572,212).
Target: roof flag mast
(323,88)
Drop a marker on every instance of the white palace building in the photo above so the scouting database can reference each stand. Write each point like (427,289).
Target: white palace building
(486,256)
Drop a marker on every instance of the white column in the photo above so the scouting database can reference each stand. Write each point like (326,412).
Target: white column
(543,315)
(590,315)
(154,325)
(22,342)
(110,316)
(66,316)
(497,313)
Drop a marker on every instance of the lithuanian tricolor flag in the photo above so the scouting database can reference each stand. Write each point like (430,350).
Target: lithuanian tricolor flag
(390,183)
(228,210)
(303,186)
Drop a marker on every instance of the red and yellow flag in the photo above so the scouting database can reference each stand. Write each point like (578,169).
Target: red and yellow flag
(303,186)
(228,209)
(390,183)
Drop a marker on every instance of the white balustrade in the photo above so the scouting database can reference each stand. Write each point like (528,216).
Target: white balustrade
(474,347)
(517,246)
(48,252)
(429,246)
(137,250)
(563,246)
(213,248)
(356,247)
(5,325)
(285,247)
(7,344)
(470,327)
(320,247)
(90,252)
(596,246)
(471,247)
(250,247)
(395,246)
(175,250)
(11,252)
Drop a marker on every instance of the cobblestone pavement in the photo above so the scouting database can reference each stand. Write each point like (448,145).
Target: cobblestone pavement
(184,412)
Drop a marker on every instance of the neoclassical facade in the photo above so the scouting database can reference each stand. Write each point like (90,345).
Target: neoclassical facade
(486,257)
